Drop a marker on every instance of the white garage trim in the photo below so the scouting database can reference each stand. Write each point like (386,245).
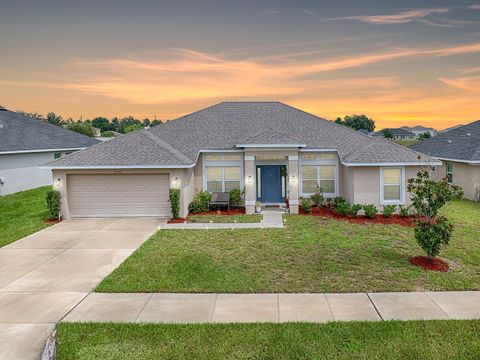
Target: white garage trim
(118,195)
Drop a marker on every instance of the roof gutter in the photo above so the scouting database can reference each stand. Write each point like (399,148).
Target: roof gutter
(99,167)
(469,162)
(39,151)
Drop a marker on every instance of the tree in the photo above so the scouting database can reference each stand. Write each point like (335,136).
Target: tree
(84,129)
(129,120)
(102,123)
(425,135)
(387,134)
(155,123)
(428,197)
(357,122)
(132,127)
(146,122)
(34,115)
(54,119)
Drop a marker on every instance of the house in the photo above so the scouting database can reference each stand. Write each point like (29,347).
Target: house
(26,143)
(419,130)
(459,149)
(365,132)
(397,134)
(271,150)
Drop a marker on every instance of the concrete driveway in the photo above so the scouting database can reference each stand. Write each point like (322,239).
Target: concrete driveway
(45,275)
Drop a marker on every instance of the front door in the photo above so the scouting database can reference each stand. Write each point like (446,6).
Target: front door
(270,189)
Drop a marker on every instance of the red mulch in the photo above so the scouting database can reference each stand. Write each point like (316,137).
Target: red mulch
(52,221)
(176,221)
(236,211)
(426,264)
(378,219)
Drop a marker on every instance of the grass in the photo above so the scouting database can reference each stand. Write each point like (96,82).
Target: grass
(312,254)
(406,142)
(224,218)
(448,339)
(22,214)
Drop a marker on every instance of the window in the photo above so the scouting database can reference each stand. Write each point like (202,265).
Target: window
(392,185)
(234,157)
(222,178)
(57,155)
(450,172)
(315,176)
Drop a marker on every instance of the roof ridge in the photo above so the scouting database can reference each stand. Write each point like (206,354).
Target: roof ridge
(272,129)
(166,146)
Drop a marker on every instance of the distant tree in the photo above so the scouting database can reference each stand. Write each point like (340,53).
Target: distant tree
(132,127)
(116,125)
(387,134)
(102,123)
(127,121)
(34,115)
(425,135)
(146,122)
(54,119)
(155,123)
(357,122)
(84,129)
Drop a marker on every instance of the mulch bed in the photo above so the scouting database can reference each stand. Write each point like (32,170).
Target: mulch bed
(52,221)
(427,264)
(378,219)
(176,221)
(236,211)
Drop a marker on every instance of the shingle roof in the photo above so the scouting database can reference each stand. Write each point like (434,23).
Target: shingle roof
(269,135)
(227,124)
(22,133)
(461,143)
(396,132)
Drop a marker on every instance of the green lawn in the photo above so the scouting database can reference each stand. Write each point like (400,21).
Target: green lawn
(312,254)
(224,218)
(406,142)
(361,340)
(22,214)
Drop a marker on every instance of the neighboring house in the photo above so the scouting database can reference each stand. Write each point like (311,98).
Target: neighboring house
(96,132)
(365,132)
(419,130)
(460,150)
(397,134)
(270,149)
(26,143)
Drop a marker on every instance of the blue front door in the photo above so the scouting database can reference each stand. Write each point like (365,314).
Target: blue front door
(270,189)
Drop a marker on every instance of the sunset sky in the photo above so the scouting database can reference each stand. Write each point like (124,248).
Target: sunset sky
(399,62)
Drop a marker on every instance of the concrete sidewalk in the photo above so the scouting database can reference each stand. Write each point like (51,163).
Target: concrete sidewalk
(272,218)
(227,308)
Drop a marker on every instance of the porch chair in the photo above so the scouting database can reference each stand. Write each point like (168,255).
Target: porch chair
(220,199)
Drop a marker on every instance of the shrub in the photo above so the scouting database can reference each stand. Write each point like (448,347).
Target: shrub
(174,199)
(388,210)
(329,202)
(54,204)
(343,208)
(339,200)
(200,202)
(108,134)
(307,205)
(370,210)
(431,236)
(235,197)
(318,197)
(81,128)
(404,211)
(355,209)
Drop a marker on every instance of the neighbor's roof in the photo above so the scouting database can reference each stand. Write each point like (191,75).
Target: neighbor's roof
(228,124)
(417,128)
(461,143)
(19,133)
(396,132)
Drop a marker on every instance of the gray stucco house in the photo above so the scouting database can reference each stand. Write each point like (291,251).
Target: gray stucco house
(459,150)
(270,149)
(26,143)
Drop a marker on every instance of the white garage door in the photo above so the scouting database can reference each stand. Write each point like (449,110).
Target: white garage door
(118,195)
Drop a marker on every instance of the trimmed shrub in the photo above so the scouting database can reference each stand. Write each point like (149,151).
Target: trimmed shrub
(200,202)
(235,197)
(54,203)
(343,208)
(307,205)
(339,200)
(431,236)
(388,210)
(174,199)
(355,209)
(404,211)
(318,198)
(370,210)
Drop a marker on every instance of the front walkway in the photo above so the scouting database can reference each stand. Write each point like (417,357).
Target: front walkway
(272,218)
(45,275)
(227,308)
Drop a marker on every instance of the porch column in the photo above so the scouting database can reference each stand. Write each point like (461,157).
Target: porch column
(250,197)
(293,183)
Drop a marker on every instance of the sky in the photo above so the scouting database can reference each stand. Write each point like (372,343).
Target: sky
(399,62)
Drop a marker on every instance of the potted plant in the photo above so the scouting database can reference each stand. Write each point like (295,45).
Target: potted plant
(258,207)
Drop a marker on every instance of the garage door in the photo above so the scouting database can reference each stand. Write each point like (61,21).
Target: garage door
(118,195)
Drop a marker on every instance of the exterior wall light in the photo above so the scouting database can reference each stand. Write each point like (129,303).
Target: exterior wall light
(249,179)
(293,179)
(176,181)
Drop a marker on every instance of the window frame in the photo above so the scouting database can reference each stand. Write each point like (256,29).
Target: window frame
(317,161)
(57,155)
(449,174)
(402,185)
(222,164)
